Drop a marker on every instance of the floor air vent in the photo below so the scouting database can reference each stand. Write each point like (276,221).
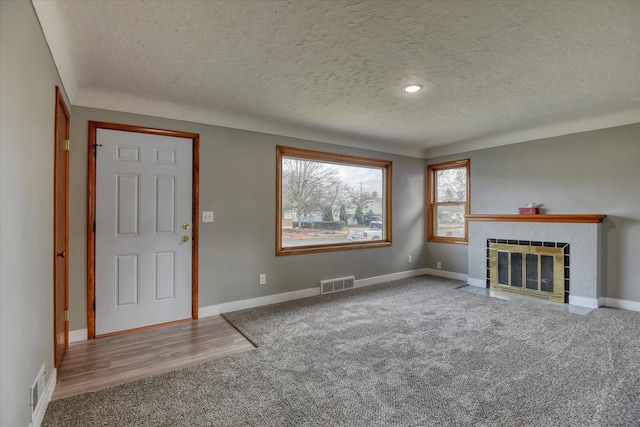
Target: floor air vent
(336,285)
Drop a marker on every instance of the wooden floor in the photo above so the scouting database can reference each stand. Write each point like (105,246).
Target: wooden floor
(95,364)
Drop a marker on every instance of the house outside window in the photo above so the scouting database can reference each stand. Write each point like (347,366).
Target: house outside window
(329,202)
(448,202)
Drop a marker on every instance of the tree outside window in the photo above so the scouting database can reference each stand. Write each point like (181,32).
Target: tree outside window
(325,201)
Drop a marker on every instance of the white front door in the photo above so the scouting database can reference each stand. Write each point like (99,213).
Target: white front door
(143,217)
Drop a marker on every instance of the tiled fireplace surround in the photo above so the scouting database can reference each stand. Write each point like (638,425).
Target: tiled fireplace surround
(582,232)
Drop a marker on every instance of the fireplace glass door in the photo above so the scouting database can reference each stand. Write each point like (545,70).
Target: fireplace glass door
(534,271)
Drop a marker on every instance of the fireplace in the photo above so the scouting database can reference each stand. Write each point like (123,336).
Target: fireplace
(531,268)
(531,252)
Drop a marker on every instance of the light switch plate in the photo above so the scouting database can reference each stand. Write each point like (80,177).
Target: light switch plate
(207,216)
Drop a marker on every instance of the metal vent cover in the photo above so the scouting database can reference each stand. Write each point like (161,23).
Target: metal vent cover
(36,391)
(336,285)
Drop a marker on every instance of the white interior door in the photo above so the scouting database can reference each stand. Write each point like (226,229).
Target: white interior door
(143,216)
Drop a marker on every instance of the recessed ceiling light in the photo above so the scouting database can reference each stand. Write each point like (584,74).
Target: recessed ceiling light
(412,88)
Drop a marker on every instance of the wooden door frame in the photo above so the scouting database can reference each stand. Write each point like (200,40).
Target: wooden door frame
(60,103)
(91,197)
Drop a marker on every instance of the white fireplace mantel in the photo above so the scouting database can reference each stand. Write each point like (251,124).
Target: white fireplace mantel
(582,232)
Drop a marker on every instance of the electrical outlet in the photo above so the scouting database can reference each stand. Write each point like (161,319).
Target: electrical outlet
(263,279)
(409,258)
(207,216)
(439,265)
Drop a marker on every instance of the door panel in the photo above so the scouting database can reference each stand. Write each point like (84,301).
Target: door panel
(165,275)
(127,205)
(126,280)
(165,202)
(143,197)
(126,153)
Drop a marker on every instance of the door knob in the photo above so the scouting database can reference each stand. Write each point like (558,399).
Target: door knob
(60,254)
(185,238)
(185,225)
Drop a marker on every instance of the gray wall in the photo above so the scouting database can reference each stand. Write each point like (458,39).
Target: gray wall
(592,172)
(27,82)
(237,182)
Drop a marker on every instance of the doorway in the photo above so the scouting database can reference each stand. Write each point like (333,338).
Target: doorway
(60,230)
(143,228)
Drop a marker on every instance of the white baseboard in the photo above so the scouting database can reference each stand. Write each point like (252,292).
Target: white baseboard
(584,301)
(620,303)
(214,310)
(389,277)
(46,398)
(576,300)
(478,283)
(446,274)
(225,307)
(78,335)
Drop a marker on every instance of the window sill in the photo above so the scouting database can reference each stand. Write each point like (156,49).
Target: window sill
(299,250)
(448,240)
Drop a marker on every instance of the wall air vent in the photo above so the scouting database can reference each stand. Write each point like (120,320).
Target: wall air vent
(336,285)
(36,391)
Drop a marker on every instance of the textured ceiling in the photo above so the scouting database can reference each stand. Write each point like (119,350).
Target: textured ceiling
(494,72)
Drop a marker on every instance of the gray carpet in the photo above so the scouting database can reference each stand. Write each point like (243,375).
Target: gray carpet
(415,352)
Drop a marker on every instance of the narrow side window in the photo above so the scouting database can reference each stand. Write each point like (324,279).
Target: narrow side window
(448,202)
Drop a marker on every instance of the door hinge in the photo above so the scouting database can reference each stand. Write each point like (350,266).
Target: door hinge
(66,315)
(94,305)
(66,144)
(94,226)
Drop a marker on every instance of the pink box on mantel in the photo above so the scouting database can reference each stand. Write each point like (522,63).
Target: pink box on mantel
(528,211)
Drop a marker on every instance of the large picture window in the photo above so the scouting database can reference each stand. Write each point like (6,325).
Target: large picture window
(329,202)
(448,202)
